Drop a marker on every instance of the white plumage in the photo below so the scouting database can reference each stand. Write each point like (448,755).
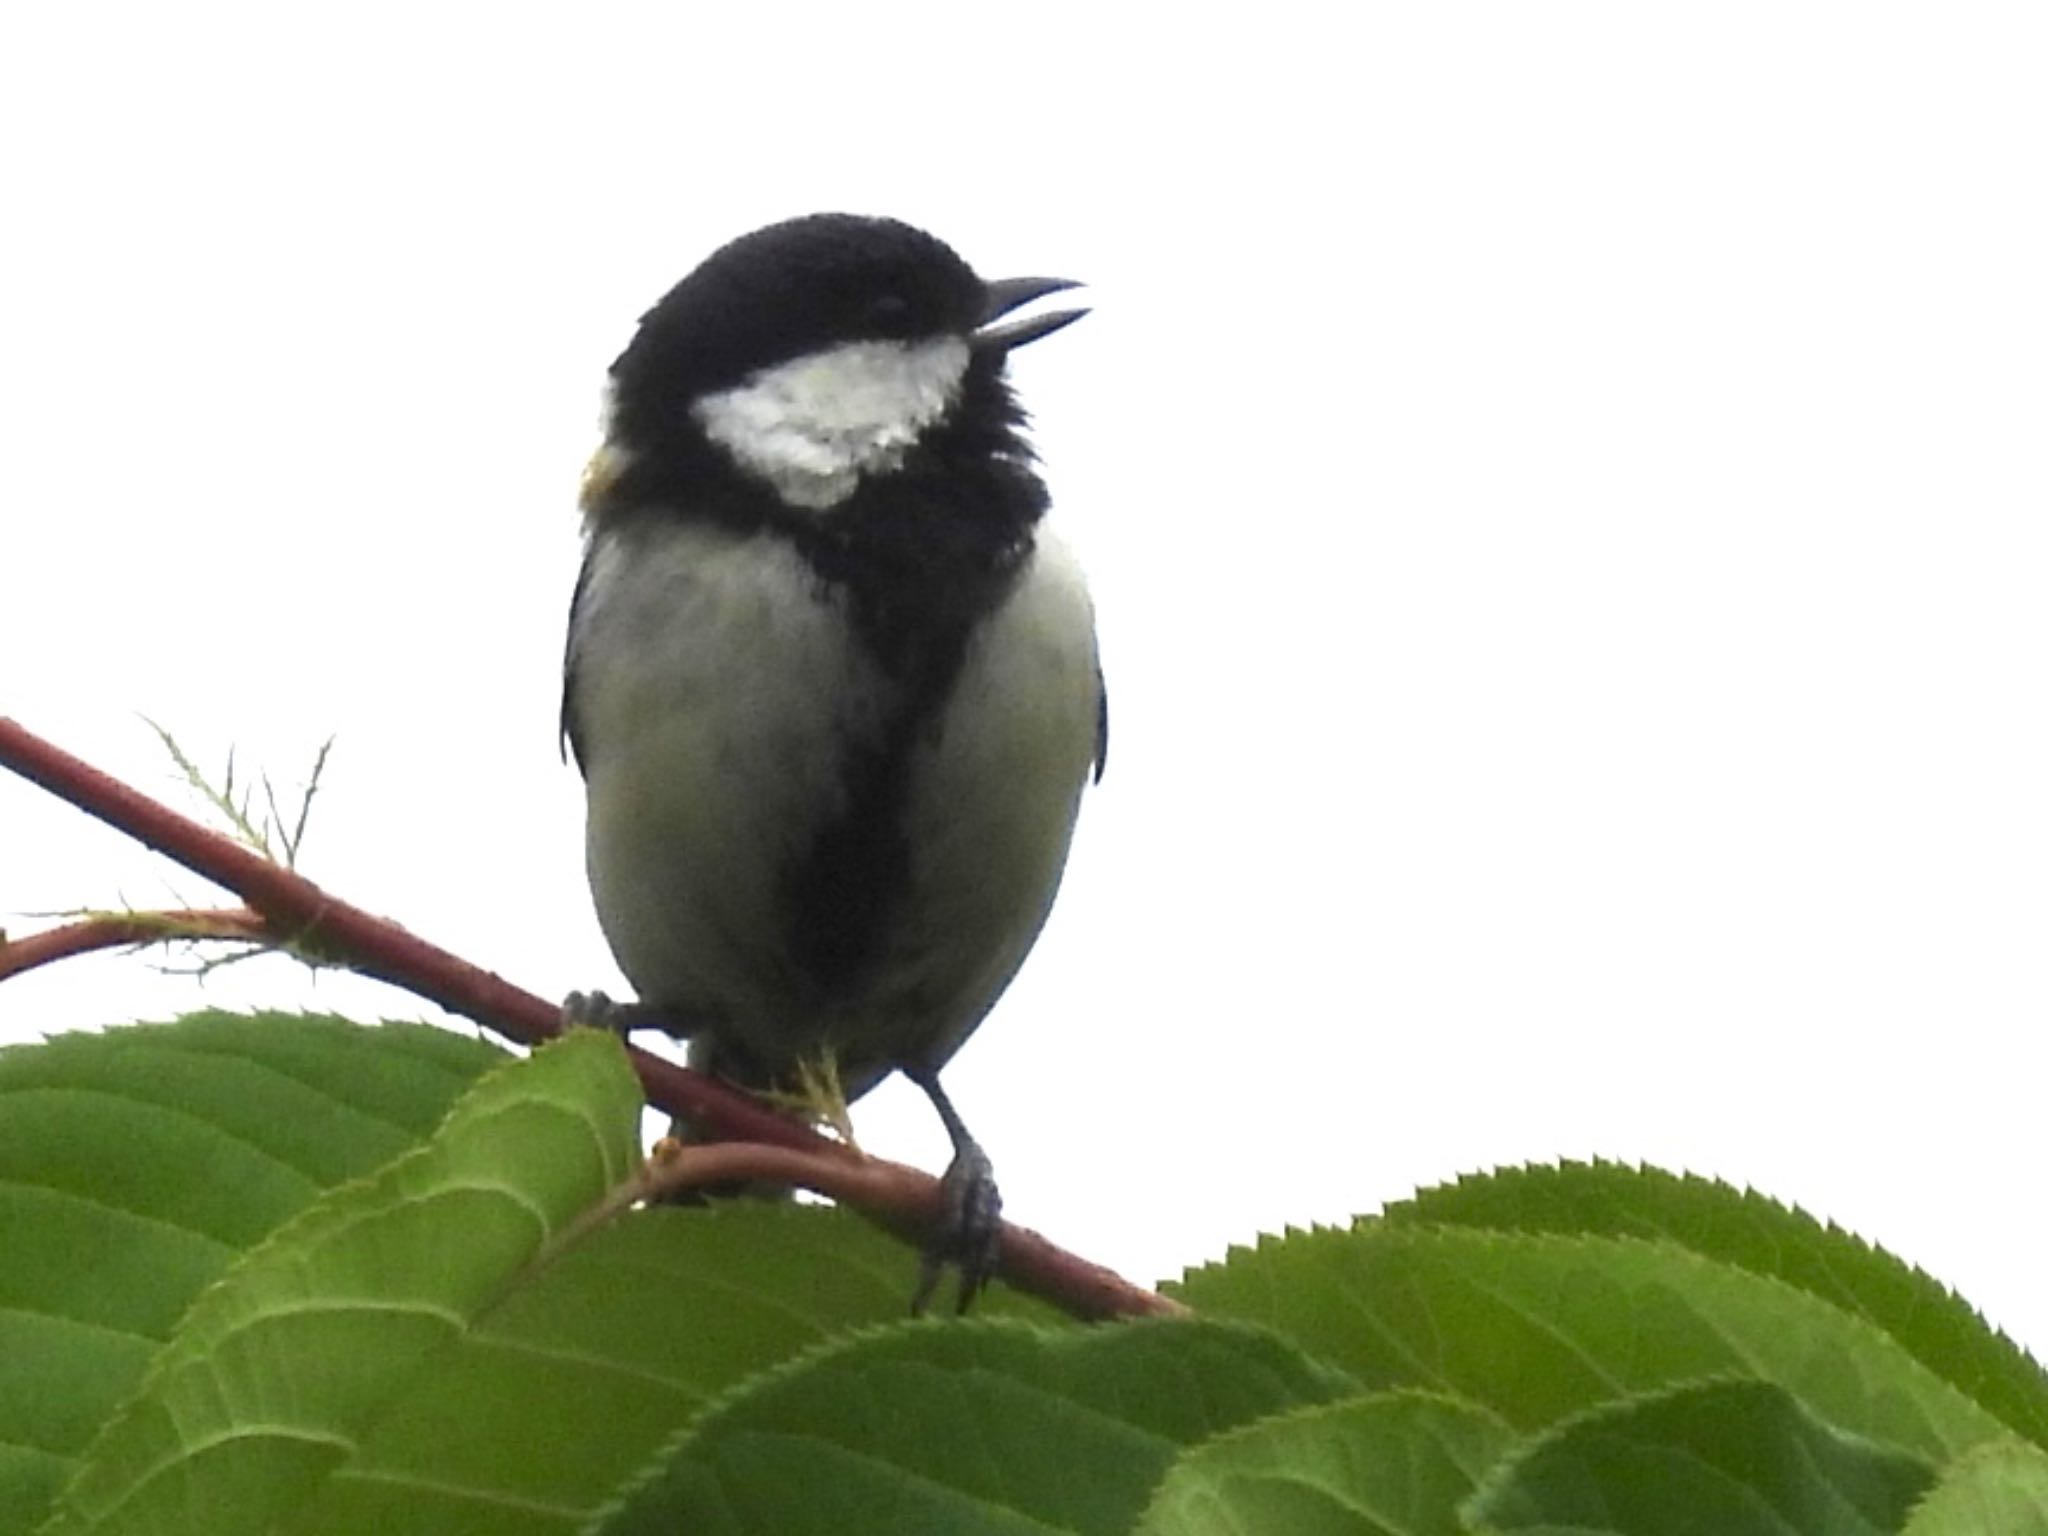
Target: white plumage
(813,426)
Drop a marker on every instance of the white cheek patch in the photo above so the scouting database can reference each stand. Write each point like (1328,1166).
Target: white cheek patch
(811,427)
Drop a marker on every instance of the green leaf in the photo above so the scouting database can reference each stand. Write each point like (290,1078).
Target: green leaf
(1996,1490)
(281,1366)
(967,1427)
(527,1415)
(532,1419)
(1741,1227)
(135,1165)
(1389,1462)
(1738,1458)
(1538,1327)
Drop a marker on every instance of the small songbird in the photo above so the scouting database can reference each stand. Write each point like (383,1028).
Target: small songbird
(832,685)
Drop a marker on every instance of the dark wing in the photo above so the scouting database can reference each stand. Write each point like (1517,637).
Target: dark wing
(570,740)
(1101,725)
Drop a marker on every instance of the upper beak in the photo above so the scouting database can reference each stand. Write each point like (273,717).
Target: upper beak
(1011,293)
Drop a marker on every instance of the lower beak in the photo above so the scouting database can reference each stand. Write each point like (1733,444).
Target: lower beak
(1011,293)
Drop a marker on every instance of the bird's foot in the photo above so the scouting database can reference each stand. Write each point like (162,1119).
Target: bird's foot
(970,1229)
(593,1010)
(596,1010)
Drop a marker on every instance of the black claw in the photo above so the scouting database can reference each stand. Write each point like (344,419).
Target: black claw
(969,1234)
(592,1010)
(970,1230)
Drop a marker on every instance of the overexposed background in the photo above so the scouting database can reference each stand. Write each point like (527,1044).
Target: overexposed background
(1564,488)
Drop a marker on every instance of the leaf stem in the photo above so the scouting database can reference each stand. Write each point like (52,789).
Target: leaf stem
(112,930)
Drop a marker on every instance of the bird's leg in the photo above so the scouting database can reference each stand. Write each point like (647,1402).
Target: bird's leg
(972,1220)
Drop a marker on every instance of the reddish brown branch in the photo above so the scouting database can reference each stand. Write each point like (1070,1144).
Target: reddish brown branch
(900,1200)
(292,905)
(906,1202)
(291,909)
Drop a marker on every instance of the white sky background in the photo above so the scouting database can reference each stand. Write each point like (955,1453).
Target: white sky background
(1563,486)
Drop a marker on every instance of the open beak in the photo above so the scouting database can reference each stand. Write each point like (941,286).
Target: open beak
(1011,293)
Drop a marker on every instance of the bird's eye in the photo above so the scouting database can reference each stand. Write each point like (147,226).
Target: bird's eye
(889,314)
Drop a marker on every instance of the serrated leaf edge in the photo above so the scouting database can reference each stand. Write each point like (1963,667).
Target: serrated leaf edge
(1394,1213)
(1308,1412)
(1633,1402)
(329,1212)
(658,1461)
(1419,1235)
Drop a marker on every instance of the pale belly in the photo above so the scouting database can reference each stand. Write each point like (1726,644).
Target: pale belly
(717,734)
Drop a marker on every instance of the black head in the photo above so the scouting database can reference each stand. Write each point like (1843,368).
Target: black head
(797,287)
(802,286)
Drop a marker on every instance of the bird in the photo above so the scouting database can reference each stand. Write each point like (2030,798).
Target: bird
(832,683)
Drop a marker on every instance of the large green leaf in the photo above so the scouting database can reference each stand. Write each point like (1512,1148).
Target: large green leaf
(1538,1327)
(517,1405)
(1385,1464)
(1737,1458)
(280,1368)
(533,1418)
(136,1164)
(1744,1228)
(1996,1490)
(968,1427)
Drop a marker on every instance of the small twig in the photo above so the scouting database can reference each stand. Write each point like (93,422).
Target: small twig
(758,1142)
(297,835)
(221,798)
(113,930)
